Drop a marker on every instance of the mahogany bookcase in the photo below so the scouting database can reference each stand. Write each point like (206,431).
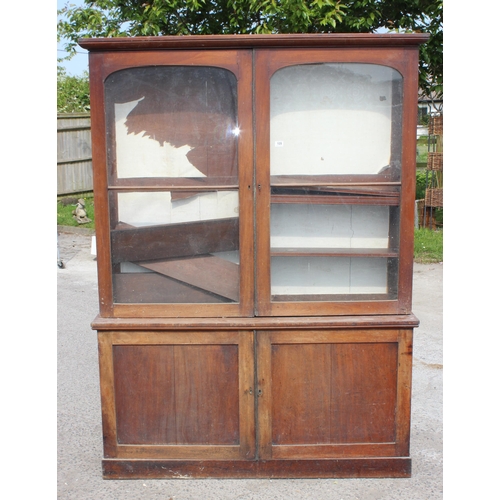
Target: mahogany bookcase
(254,207)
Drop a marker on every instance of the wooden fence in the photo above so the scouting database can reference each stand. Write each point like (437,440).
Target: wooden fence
(74,153)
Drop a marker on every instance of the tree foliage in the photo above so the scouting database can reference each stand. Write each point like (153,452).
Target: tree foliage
(72,93)
(111,18)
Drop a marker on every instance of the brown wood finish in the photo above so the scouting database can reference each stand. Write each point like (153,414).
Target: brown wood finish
(203,372)
(246,182)
(403,409)
(161,391)
(211,273)
(151,288)
(100,180)
(337,40)
(174,240)
(335,200)
(181,396)
(101,66)
(263,187)
(263,469)
(408,179)
(192,184)
(330,394)
(344,305)
(267,63)
(392,321)
(364,379)
(362,181)
(301,410)
(337,252)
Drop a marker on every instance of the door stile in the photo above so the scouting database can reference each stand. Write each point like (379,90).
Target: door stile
(107,387)
(247,395)
(263,395)
(246,161)
(263,185)
(403,408)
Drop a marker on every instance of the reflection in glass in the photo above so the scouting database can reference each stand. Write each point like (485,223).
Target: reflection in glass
(168,250)
(174,121)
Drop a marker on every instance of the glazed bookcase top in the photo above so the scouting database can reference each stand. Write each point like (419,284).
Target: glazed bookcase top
(254,175)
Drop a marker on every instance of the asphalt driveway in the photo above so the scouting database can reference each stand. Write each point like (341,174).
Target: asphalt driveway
(79,418)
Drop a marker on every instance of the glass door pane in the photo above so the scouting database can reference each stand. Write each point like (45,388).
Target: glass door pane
(174,193)
(173,121)
(324,252)
(335,165)
(334,119)
(176,251)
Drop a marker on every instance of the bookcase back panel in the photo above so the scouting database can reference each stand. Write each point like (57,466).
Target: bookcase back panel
(332,118)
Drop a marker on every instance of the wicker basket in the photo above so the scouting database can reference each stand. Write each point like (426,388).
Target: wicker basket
(435,161)
(436,125)
(434,197)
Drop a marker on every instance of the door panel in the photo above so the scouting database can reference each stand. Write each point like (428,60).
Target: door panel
(175,175)
(184,395)
(329,156)
(331,393)
(176,394)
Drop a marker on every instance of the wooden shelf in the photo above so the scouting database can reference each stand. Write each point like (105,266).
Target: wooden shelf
(328,297)
(334,252)
(336,195)
(203,273)
(153,288)
(171,241)
(387,178)
(335,200)
(175,183)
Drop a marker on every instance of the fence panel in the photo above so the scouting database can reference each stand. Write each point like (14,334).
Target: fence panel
(74,153)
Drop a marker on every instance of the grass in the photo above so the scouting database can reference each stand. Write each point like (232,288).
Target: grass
(422,148)
(65,207)
(428,246)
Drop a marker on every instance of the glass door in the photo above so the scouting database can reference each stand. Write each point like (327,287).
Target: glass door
(333,199)
(179,138)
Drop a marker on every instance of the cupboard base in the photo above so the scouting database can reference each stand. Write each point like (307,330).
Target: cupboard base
(398,467)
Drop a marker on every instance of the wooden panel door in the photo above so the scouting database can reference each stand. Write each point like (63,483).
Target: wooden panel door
(178,395)
(334,394)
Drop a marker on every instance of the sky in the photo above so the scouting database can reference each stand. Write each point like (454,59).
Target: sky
(79,62)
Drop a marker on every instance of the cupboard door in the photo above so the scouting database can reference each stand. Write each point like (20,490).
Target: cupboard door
(178,395)
(176,182)
(332,172)
(333,394)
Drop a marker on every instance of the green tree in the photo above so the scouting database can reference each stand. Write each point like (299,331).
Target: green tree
(111,18)
(72,92)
